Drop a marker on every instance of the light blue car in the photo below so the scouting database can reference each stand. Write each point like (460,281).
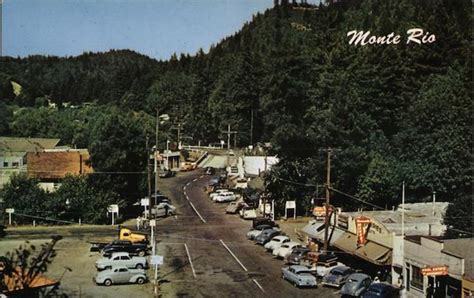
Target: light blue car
(298,275)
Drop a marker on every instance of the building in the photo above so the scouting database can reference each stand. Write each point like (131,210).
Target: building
(371,240)
(52,165)
(438,266)
(13,153)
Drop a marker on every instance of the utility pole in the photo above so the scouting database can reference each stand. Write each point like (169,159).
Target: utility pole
(328,185)
(149,176)
(229,132)
(155,153)
(251,127)
(404,269)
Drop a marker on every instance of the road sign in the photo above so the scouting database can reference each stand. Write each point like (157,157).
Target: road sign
(152,223)
(156,260)
(145,202)
(290,204)
(10,210)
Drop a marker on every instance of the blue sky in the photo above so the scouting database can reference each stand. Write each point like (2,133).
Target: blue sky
(156,28)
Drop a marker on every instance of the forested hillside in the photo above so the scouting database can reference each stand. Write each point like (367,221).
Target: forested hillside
(392,113)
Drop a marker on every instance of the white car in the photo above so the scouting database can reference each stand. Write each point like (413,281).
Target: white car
(162,209)
(285,249)
(121,259)
(216,193)
(276,242)
(225,197)
(248,213)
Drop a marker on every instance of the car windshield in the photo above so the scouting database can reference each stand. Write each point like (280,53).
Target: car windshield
(336,272)
(285,246)
(304,272)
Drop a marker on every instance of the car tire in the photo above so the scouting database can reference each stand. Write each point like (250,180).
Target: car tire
(282,276)
(107,282)
(139,266)
(140,280)
(295,284)
(107,267)
(141,253)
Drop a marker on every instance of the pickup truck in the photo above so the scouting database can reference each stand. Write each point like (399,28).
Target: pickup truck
(121,259)
(139,249)
(123,234)
(120,275)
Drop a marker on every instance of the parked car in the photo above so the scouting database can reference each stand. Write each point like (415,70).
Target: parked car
(209,171)
(139,249)
(263,221)
(163,209)
(217,192)
(356,284)
(266,236)
(276,242)
(188,166)
(285,249)
(167,174)
(160,199)
(381,289)
(121,259)
(299,275)
(225,197)
(248,212)
(214,181)
(234,207)
(296,254)
(337,276)
(323,268)
(120,275)
(257,230)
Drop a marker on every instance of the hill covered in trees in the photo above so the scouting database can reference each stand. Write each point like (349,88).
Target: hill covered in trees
(393,112)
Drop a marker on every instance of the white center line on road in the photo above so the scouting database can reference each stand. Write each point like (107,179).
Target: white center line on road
(258,285)
(201,176)
(195,179)
(235,257)
(190,261)
(176,217)
(197,212)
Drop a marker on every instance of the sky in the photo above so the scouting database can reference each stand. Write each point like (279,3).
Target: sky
(157,28)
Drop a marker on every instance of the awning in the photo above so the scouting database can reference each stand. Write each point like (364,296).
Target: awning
(312,229)
(347,242)
(375,253)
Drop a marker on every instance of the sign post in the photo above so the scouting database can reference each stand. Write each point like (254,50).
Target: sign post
(114,209)
(145,202)
(290,205)
(10,211)
(361,227)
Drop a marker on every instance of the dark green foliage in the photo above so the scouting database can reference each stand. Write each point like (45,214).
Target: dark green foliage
(393,112)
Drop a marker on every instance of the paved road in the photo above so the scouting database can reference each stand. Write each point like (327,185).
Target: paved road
(224,262)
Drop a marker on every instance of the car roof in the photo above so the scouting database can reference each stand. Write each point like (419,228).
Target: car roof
(281,237)
(299,268)
(381,285)
(358,276)
(120,253)
(341,268)
(292,243)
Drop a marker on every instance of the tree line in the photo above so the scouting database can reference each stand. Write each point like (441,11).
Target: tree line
(394,113)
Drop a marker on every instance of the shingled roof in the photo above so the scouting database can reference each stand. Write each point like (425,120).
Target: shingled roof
(13,144)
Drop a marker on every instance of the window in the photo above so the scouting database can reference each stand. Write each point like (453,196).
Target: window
(15,164)
(416,278)
(5,164)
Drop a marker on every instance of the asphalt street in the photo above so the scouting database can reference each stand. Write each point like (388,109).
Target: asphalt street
(207,254)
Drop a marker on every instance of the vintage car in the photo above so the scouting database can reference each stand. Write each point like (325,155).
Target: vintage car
(356,284)
(162,209)
(285,249)
(225,197)
(257,230)
(266,235)
(139,249)
(296,255)
(120,275)
(217,192)
(337,276)
(234,207)
(276,242)
(300,276)
(121,259)
(381,289)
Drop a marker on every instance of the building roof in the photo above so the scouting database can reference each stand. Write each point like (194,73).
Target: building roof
(13,144)
(417,217)
(463,247)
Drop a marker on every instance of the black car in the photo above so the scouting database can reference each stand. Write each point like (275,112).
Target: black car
(381,289)
(296,255)
(167,174)
(263,221)
(139,249)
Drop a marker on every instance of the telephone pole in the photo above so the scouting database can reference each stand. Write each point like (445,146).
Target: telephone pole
(229,132)
(149,176)
(328,185)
